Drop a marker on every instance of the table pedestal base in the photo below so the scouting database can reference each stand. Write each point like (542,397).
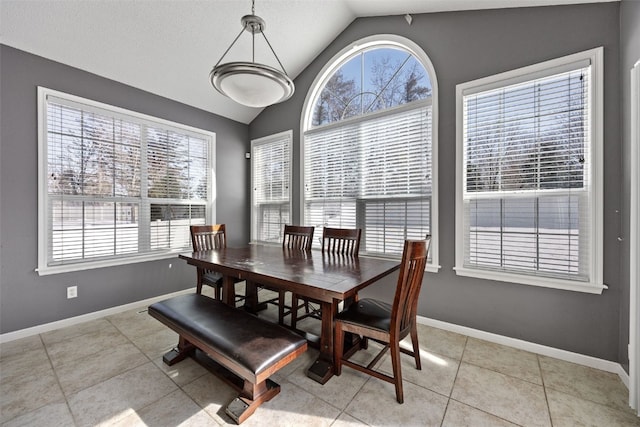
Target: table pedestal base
(320,371)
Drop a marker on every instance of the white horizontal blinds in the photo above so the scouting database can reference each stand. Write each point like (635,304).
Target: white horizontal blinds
(177,178)
(93,184)
(396,155)
(526,186)
(332,177)
(374,174)
(271,187)
(101,165)
(396,179)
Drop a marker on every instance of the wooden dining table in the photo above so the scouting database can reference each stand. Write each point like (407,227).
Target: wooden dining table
(325,278)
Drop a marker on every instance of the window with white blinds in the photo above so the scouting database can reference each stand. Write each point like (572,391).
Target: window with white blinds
(116,186)
(529,160)
(374,170)
(271,187)
(373,174)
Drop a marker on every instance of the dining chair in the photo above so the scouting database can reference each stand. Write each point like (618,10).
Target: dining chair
(342,241)
(387,323)
(205,238)
(298,238)
(335,241)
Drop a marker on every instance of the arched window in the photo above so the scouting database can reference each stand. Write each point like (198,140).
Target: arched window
(369,130)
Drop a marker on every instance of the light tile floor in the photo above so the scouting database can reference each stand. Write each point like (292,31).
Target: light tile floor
(109,372)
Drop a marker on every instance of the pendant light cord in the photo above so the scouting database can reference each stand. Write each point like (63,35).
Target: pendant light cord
(253,34)
(253,43)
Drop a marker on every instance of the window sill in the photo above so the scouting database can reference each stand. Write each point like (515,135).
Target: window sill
(67,268)
(432,268)
(545,282)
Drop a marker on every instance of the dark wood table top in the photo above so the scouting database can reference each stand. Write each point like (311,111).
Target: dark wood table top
(309,273)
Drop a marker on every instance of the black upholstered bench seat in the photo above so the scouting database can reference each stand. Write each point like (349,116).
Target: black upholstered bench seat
(249,347)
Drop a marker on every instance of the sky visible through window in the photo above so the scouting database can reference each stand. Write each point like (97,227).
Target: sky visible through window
(370,81)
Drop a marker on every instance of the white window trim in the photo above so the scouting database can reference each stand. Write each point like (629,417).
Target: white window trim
(336,62)
(43,235)
(266,140)
(596,285)
(634,252)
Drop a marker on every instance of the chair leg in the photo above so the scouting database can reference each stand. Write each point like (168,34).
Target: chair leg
(416,347)
(199,281)
(364,343)
(338,347)
(281,307)
(397,370)
(294,311)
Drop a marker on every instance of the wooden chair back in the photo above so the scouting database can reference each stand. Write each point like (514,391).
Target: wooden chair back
(297,237)
(405,302)
(205,238)
(208,237)
(342,241)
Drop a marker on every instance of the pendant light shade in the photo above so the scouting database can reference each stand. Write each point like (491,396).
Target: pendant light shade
(250,83)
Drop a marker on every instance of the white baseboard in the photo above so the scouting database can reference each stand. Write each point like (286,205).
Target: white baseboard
(40,329)
(568,356)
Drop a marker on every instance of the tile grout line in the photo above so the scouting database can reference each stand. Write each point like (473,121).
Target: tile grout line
(488,369)
(544,389)
(55,374)
(446,408)
(344,411)
(103,380)
(178,387)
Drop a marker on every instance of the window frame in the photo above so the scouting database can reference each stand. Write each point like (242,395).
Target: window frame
(43,198)
(595,283)
(332,65)
(266,140)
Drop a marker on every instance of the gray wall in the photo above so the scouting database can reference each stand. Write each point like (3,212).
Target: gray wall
(27,299)
(629,55)
(462,46)
(468,45)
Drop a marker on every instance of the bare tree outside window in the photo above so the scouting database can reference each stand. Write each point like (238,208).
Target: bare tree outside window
(372,81)
(525,148)
(94,173)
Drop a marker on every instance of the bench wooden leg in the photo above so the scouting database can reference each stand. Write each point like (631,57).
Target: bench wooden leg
(184,350)
(252,396)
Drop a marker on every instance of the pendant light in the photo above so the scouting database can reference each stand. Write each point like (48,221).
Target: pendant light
(250,83)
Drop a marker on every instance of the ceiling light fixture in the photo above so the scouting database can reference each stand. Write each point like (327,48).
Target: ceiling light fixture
(250,83)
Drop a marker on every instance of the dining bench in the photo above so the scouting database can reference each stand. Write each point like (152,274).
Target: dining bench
(249,347)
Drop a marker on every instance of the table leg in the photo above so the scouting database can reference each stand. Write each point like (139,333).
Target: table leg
(251,303)
(322,369)
(229,291)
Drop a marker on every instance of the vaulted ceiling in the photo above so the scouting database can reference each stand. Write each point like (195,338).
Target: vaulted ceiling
(168,47)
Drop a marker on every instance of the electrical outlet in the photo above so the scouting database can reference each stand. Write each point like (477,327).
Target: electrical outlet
(72,292)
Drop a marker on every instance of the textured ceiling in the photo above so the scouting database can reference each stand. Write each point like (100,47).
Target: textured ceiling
(168,47)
